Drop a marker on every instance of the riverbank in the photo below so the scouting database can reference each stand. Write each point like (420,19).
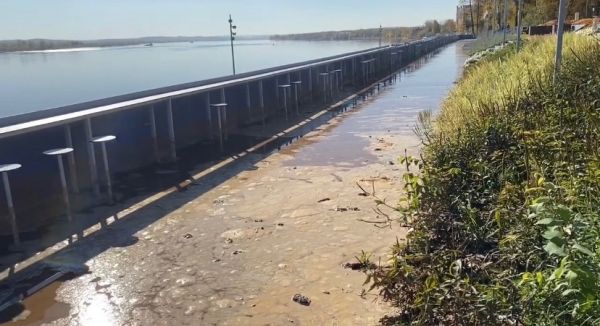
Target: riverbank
(504,208)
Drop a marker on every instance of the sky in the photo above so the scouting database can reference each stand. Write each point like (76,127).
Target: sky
(94,19)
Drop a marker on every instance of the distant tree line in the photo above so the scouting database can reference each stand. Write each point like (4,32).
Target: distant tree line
(37,44)
(45,44)
(388,34)
(477,16)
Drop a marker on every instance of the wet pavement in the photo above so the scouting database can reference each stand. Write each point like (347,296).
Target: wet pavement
(238,241)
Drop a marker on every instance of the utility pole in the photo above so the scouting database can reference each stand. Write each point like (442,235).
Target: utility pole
(562,15)
(232,34)
(380,34)
(504,19)
(519,24)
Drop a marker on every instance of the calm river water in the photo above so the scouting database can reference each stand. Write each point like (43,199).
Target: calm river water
(32,81)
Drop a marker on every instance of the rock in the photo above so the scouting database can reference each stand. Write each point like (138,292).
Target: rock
(301,299)
(188,236)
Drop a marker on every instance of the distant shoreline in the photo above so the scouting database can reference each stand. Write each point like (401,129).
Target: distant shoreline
(388,35)
(35,45)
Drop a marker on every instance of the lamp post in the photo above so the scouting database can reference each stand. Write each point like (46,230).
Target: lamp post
(232,34)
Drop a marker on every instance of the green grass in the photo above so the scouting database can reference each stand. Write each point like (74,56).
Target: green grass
(505,206)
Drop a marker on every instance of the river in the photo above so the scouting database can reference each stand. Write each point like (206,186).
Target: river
(33,81)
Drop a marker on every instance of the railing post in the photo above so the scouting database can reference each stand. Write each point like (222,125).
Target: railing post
(153,133)
(224,117)
(209,115)
(171,129)
(262,101)
(248,100)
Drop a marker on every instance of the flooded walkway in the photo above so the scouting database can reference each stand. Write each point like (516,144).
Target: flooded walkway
(235,248)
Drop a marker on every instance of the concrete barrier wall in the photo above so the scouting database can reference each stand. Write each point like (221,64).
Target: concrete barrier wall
(36,186)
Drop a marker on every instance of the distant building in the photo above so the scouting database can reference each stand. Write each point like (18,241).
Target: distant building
(463,19)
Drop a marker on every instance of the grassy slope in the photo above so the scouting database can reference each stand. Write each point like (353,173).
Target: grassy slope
(505,209)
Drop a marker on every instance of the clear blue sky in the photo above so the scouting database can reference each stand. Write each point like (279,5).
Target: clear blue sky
(92,19)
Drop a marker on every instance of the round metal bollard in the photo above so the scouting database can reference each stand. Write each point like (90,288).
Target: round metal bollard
(102,140)
(221,113)
(59,152)
(9,201)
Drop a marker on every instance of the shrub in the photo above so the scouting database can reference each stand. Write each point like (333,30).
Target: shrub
(505,226)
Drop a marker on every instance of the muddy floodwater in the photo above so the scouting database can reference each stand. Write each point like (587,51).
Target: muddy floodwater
(239,243)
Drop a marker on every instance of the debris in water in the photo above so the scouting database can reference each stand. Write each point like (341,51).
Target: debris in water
(303,300)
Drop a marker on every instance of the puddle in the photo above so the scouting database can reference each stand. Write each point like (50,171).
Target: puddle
(37,309)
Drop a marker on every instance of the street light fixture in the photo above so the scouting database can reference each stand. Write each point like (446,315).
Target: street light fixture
(232,35)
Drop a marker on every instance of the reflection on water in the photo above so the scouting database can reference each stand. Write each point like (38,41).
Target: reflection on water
(419,87)
(105,72)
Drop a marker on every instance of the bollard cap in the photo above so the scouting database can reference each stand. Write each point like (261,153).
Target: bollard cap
(9,167)
(102,139)
(58,151)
